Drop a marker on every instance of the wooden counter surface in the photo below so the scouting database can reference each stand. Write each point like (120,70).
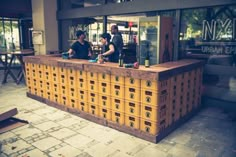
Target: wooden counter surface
(155,72)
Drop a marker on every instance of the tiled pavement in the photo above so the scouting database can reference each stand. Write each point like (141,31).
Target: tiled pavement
(55,133)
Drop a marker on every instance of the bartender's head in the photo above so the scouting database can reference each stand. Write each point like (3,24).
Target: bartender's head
(80,35)
(114,29)
(105,38)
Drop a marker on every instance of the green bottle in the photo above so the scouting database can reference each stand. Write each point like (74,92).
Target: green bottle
(121,60)
(147,57)
(166,53)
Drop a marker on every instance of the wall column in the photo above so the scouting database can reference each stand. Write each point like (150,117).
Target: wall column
(45,19)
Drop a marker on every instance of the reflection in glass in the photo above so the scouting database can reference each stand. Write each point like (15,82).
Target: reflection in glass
(210,34)
(208,30)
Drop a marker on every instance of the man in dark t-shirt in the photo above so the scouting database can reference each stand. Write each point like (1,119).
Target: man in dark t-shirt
(81,49)
(117,38)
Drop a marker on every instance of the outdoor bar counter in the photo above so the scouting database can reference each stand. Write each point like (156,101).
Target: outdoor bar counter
(148,103)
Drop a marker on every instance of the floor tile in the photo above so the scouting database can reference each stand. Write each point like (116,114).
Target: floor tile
(182,151)
(150,151)
(78,141)
(14,147)
(68,122)
(46,143)
(46,125)
(24,133)
(67,151)
(7,135)
(101,150)
(62,133)
(34,153)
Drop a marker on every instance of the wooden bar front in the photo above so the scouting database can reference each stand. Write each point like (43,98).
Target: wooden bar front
(148,103)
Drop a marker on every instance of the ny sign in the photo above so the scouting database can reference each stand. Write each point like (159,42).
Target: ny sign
(215,29)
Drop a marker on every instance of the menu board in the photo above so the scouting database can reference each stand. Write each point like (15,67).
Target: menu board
(37,36)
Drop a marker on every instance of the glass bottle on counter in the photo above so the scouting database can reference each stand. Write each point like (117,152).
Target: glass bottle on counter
(121,60)
(166,53)
(147,57)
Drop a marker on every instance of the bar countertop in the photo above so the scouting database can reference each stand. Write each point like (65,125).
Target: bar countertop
(154,72)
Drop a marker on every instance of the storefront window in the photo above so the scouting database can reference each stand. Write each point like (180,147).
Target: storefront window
(209,31)
(210,34)
(92,26)
(3,44)
(95,31)
(9,35)
(128,27)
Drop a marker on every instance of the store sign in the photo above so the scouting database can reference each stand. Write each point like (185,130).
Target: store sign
(219,37)
(72,32)
(73,29)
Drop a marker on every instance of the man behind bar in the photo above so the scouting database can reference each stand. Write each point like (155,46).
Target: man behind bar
(117,38)
(81,49)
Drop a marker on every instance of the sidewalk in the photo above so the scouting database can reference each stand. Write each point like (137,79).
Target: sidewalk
(55,133)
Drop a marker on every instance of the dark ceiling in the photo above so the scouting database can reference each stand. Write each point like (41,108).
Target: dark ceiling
(15,8)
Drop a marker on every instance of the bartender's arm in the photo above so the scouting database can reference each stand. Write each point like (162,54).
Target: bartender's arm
(110,51)
(70,51)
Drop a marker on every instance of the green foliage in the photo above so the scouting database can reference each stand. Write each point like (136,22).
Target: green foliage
(193,18)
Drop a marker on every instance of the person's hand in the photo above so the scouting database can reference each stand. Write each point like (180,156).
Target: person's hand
(70,55)
(100,59)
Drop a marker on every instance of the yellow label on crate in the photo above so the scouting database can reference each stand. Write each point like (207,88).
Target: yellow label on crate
(148,83)
(117,78)
(131,81)
(117,119)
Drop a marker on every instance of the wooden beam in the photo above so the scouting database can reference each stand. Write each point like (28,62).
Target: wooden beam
(7,114)
(138,6)
(15,8)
